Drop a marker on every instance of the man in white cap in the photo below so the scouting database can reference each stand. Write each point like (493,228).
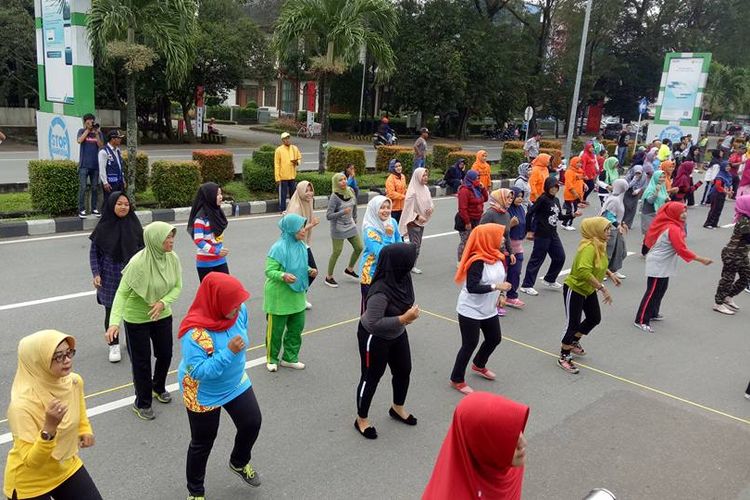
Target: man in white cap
(285,162)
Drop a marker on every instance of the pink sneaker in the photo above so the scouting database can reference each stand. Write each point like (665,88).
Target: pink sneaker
(501,312)
(483,372)
(577,350)
(515,303)
(462,387)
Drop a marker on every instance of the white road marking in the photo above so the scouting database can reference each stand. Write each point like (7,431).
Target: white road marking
(37,302)
(120,403)
(726,226)
(566,272)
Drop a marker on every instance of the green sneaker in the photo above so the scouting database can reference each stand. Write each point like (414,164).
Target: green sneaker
(247,473)
(196,497)
(163,397)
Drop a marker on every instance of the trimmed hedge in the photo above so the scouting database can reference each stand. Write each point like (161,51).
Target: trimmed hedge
(141,170)
(339,157)
(53,186)
(321,182)
(469,156)
(217,165)
(556,154)
(263,156)
(440,154)
(174,183)
(386,153)
(258,177)
(513,144)
(510,161)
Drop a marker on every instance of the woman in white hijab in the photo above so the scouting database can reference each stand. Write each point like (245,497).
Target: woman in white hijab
(614,210)
(418,208)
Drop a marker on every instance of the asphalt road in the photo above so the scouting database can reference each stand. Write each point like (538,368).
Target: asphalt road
(649,417)
(14,160)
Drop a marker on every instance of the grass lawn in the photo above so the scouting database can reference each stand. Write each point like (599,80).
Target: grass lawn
(15,202)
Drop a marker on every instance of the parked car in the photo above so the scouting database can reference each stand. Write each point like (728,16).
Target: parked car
(612,130)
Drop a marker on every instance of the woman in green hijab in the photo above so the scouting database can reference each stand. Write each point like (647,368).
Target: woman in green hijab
(150,283)
(342,214)
(609,174)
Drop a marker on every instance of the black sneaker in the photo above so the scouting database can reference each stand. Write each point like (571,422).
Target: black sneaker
(247,473)
(144,413)
(351,274)
(331,282)
(96,213)
(163,397)
(82,214)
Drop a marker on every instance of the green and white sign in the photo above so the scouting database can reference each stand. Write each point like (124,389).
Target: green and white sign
(57,39)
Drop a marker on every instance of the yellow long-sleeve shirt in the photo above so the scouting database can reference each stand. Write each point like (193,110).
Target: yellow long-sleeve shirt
(31,471)
(283,167)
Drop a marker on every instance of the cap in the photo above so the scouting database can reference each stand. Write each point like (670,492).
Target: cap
(114,134)
(424,130)
(284,135)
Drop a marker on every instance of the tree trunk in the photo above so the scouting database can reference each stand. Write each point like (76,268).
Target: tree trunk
(132,120)
(463,121)
(325,85)
(188,122)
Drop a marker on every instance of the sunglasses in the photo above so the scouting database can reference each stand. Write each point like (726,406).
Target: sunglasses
(59,357)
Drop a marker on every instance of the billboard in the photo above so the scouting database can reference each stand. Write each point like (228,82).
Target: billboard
(681,90)
(57,41)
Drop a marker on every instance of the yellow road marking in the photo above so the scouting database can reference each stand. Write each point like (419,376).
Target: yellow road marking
(611,375)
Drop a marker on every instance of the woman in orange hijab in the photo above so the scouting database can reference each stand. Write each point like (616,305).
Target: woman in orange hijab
(574,189)
(481,274)
(668,168)
(483,169)
(484,453)
(539,174)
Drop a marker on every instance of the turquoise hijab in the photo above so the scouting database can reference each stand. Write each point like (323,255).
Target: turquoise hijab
(290,252)
(654,187)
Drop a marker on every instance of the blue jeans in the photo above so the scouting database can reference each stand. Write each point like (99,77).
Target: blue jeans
(621,151)
(286,190)
(514,276)
(551,246)
(92,177)
(419,163)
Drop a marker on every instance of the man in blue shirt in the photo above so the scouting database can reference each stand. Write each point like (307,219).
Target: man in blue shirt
(90,140)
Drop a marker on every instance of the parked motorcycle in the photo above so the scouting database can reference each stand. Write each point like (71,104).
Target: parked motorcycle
(380,140)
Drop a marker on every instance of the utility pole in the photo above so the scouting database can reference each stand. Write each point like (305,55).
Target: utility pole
(577,88)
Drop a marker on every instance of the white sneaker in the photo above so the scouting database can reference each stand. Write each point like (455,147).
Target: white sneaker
(731,303)
(308,306)
(529,291)
(747,395)
(416,270)
(569,228)
(554,285)
(620,275)
(297,365)
(272,367)
(114,353)
(723,309)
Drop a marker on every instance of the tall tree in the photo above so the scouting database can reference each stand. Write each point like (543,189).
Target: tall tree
(18,72)
(331,33)
(137,32)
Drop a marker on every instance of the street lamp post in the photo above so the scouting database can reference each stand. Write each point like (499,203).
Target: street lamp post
(579,74)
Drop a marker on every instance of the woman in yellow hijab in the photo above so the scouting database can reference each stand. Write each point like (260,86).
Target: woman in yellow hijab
(47,417)
(579,291)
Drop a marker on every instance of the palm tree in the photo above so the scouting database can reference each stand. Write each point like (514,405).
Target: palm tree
(137,32)
(726,90)
(331,33)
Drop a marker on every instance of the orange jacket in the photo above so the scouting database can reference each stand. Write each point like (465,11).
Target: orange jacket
(484,170)
(539,174)
(574,180)
(395,190)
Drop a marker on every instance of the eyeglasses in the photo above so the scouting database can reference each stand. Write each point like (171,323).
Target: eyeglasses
(59,357)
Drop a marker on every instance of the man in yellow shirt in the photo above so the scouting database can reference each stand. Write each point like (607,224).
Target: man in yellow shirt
(286,159)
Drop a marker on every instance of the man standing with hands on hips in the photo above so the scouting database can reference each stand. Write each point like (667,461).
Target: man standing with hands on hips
(111,165)
(420,148)
(90,139)
(286,159)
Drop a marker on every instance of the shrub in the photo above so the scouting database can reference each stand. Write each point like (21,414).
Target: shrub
(577,145)
(53,186)
(406,157)
(510,161)
(218,112)
(258,177)
(321,182)
(339,157)
(440,154)
(263,156)
(174,183)
(513,144)
(246,116)
(141,170)
(556,154)
(217,165)
(385,154)
(469,157)
(550,144)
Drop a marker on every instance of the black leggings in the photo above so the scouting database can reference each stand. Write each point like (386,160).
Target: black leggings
(651,301)
(140,337)
(375,353)
(570,208)
(470,338)
(575,305)
(205,271)
(717,206)
(76,487)
(107,313)
(204,426)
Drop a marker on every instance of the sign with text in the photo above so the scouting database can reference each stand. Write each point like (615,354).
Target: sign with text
(57,136)
(57,40)
(681,90)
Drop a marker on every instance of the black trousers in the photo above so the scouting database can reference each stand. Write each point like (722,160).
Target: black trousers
(470,338)
(577,305)
(107,313)
(396,214)
(311,263)
(651,301)
(140,336)
(76,487)
(205,271)
(591,187)
(542,247)
(570,208)
(204,426)
(714,213)
(375,354)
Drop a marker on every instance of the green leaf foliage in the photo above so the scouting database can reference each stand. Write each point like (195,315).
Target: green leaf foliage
(440,154)
(340,157)
(53,185)
(258,177)
(217,165)
(141,170)
(510,161)
(174,183)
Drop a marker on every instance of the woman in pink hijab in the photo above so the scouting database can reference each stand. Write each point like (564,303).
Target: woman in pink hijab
(484,453)
(418,208)
(744,188)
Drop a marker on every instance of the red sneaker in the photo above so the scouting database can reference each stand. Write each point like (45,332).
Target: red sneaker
(483,372)
(462,387)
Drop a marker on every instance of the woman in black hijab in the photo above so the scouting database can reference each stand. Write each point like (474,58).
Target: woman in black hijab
(206,226)
(389,307)
(117,237)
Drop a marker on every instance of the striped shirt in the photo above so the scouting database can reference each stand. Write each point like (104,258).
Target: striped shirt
(208,245)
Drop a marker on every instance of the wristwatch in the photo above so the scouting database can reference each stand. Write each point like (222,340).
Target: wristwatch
(46,436)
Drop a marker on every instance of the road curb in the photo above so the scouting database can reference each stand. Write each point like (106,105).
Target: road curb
(41,227)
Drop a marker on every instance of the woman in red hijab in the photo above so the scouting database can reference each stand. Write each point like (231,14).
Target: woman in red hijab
(212,376)
(484,453)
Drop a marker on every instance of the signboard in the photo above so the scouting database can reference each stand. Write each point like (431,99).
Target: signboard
(200,111)
(642,106)
(528,113)
(57,40)
(671,132)
(57,136)
(681,90)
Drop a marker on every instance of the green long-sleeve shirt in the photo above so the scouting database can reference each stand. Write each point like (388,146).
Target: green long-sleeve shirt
(131,307)
(582,270)
(278,296)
